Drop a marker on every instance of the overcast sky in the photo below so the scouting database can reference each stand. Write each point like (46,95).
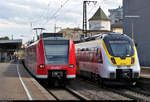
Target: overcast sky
(18,17)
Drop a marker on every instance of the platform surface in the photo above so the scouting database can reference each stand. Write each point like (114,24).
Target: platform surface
(145,72)
(17,84)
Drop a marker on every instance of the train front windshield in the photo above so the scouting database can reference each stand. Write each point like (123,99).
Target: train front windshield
(57,52)
(121,48)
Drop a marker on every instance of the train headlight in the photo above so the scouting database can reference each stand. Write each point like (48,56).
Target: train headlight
(113,60)
(132,60)
(42,66)
(71,66)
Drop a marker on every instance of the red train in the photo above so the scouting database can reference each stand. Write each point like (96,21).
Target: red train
(51,58)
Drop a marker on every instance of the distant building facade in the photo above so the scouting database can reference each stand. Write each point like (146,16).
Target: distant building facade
(138,26)
(71,33)
(117,27)
(7,49)
(116,15)
(99,21)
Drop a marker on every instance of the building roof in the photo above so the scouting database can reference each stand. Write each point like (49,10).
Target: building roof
(10,44)
(117,25)
(99,15)
(11,41)
(74,29)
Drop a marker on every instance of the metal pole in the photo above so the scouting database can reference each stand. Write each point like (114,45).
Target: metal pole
(85,16)
(132,25)
(55,28)
(36,33)
(12,37)
(85,22)
(132,30)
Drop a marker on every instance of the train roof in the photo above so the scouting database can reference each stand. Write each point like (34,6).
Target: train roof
(107,35)
(47,38)
(116,36)
(33,43)
(54,38)
(48,34)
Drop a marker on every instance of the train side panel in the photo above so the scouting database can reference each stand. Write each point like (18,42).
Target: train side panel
(72,61)
(90,60)
(41,72)
(30,59)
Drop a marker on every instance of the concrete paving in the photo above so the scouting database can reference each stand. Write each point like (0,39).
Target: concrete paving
(145,72)
(11,87)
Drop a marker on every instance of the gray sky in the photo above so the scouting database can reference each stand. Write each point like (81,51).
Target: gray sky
(16,16)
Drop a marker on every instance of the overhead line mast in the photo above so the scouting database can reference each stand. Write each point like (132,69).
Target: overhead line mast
(85,16)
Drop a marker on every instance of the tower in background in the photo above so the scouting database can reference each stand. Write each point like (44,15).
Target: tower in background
(99,21)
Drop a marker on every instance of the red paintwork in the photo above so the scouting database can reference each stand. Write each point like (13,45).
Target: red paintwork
(39,58)
(88,61)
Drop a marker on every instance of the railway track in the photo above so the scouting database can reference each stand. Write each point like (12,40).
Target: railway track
(134,93)
(140,92)
(63,93)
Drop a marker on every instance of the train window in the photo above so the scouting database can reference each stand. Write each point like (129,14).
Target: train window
(121,48)
(90,56)
(99,56)
(78,49)
(95,49)
(92,49)
(83,49)
(84,56)
(87,49)
(87,56)
(57,53)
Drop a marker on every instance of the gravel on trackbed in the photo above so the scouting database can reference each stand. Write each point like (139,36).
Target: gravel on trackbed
(93,92)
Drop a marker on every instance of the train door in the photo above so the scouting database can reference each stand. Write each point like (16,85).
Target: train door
(99,60)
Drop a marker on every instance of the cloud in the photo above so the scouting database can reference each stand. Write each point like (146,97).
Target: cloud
(17,15)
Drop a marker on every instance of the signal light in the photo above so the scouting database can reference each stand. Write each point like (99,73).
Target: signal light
(113,60)
(71,66)
(132,60)
(42,66)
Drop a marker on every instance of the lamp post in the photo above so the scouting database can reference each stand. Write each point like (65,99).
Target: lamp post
(132,25)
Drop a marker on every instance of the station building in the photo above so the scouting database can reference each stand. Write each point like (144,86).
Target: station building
(7,49)
(136,21)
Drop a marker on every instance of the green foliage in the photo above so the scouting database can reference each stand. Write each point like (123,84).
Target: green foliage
(4,38)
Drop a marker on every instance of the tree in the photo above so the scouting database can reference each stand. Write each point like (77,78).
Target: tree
(4,38)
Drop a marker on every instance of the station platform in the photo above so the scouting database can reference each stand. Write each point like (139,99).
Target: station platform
(17,84)
(145,72)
